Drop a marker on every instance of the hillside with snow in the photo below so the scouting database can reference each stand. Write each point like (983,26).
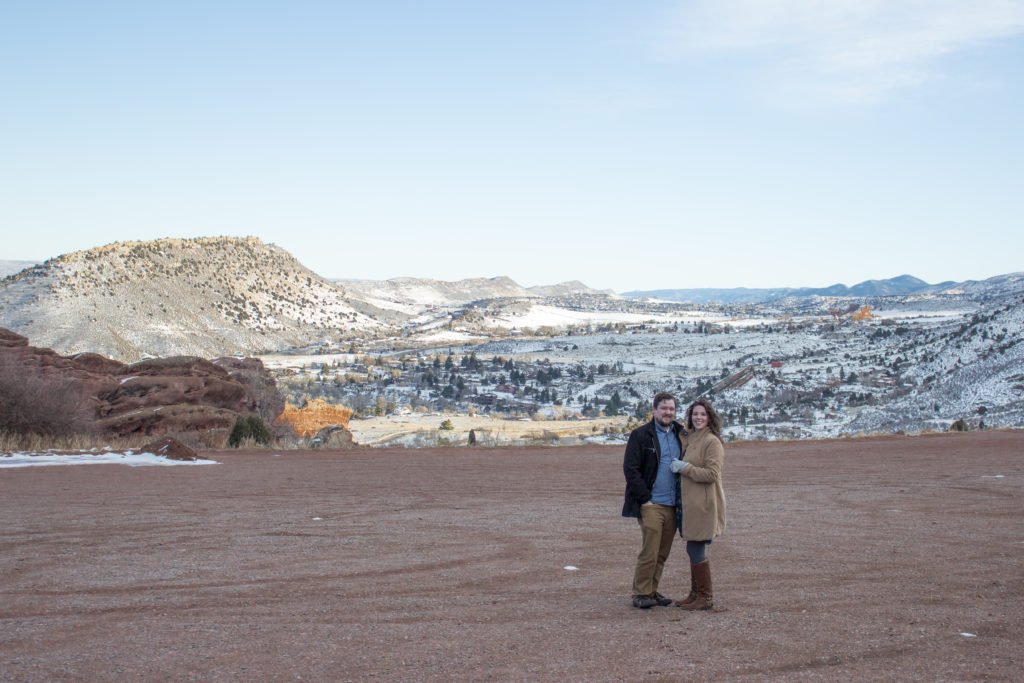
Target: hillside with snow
(798,366)
(205,297)
(837,367)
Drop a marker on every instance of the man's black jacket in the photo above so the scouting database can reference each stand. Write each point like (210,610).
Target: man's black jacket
(640,465)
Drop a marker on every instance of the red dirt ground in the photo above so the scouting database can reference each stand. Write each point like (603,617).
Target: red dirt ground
(860,559)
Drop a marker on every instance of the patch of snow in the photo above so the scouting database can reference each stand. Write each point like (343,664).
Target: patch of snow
(275,361)
(447,336)
(129,458)
(552,316)
(606,439)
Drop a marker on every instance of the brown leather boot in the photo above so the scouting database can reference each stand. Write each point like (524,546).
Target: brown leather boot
(693,590)
(701,577)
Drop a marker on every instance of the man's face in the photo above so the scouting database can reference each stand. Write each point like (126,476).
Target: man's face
(665,412)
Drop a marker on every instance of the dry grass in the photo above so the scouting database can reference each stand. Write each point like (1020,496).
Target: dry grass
(425,430)
(10,442)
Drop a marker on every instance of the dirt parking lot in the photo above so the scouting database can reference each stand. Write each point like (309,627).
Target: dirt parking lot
(883,559)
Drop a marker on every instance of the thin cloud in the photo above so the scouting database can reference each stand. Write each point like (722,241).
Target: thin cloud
(847,50)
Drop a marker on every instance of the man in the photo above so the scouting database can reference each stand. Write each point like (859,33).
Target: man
(651,491)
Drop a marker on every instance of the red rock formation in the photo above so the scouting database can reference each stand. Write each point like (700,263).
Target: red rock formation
(157,396)
(171,448)
(11,339)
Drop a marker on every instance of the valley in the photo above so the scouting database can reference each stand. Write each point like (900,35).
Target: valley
(577,364)
(911,365)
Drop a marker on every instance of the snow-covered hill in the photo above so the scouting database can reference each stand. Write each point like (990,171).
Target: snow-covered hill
(913,364)
(206,296)
(973,369)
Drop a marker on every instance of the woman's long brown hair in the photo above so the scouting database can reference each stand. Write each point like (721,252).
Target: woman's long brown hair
(714,419)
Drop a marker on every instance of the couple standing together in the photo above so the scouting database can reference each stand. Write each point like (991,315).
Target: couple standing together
(674,482)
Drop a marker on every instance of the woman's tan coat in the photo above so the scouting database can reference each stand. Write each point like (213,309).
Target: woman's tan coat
(703,498)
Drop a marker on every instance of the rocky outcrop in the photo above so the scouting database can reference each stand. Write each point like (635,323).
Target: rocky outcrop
(334,436)
(172,449)
(313,417)
(259,384)
(10,339)
(157,396)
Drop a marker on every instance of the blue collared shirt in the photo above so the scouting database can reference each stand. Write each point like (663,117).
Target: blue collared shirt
(664,490)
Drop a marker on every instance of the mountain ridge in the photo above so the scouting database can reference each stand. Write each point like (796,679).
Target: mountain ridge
(204,296)
(425,291)
(215,296)
(900,285)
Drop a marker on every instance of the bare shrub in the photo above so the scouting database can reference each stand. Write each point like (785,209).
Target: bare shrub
(32,403)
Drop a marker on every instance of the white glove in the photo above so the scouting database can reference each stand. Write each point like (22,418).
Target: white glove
(678,466)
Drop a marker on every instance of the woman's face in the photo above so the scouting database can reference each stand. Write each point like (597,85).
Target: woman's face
(699,417)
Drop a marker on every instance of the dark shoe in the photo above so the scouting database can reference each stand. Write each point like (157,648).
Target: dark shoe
(702,582)
(644,601)
(662,600)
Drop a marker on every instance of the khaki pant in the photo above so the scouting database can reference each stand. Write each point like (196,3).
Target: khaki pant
(658,524)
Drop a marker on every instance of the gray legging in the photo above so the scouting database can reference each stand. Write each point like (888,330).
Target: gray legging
(697,550)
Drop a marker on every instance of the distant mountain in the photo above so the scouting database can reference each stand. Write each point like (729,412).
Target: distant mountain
(898,286)
(12,267)
(215,296)
(570,288)
(208,297)
(411,293)
(738,295)
(991,288)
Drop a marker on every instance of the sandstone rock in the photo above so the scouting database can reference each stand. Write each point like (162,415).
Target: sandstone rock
(259,383)
(170,448)
(94,362)
(214,424)
(334,436)
(11,339)
(314,416)
(157,396)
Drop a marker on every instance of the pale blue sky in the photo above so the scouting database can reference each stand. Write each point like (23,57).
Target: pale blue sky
(630,145)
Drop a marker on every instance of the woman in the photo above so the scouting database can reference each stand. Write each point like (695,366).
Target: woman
(702,499)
